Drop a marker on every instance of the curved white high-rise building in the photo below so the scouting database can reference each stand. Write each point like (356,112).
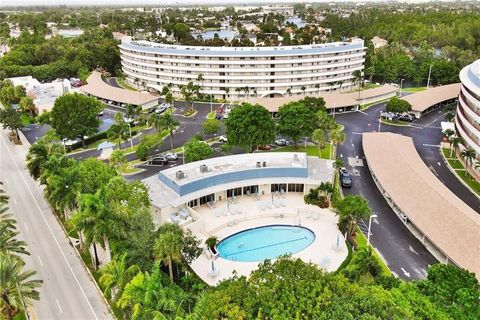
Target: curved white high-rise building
(467,119)
(238,72)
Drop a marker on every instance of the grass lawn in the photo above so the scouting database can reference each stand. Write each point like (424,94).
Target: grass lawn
(460,170)
(121,82)
(311,151)
(362,242)
(211,115)
(414,89)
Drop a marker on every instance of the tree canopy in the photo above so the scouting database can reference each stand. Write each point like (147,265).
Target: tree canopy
(398,105)
(249,125)
(296,121)
(196,150)
(75,116)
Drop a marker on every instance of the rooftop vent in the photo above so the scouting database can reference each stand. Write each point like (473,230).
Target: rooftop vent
(203,168)
(295,157)
(264,163)
(179,174)
(259,164)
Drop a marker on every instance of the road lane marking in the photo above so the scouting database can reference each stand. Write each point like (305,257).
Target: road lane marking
(405,272)
(15,200)
(431,145)
(26,227)
(59,307)
(40,260)
(359,133)
(51,231)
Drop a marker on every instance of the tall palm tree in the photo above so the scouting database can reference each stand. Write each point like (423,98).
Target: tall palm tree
(38,155)
(468,155)
(165,122)
(17,289)
(455,142)
(319,137)
(337,136)
(168,248)
(8,233)
(63,190)
(98,221)
(27,105)
(200,80)
(352,209)
(357,79)
(338,163)
(115,275)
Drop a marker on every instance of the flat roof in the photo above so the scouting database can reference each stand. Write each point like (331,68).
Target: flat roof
(98,88)
(153,47)
(446,220)
(332,100)
(423,100)
(219,165)
(221,169)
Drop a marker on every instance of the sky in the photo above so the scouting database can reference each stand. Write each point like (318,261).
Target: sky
(133,3)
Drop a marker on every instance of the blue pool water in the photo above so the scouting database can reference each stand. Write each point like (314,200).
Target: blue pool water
(267,242)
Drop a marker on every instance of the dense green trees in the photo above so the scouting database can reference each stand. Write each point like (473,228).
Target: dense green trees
(167,122)
(196,150)
(398,105)
(58,57)
(296,121)
(75,116)
(11,119)
(351,210)
(248,126)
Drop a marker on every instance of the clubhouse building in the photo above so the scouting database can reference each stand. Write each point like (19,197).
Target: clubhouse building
(237,73)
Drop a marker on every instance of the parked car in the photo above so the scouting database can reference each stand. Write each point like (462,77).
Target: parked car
(345,178)
(281,142)
(161,109)
(265,147)
(171,156)
(158,161)
(387,115)
(406,118)
(101,113)
(222,138)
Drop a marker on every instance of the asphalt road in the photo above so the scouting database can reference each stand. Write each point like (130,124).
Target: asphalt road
(404,254)
(67,291)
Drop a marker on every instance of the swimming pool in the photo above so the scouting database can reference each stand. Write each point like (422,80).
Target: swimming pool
(267,242)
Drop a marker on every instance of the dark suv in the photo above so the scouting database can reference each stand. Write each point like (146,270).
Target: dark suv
(158,161)
(345,178)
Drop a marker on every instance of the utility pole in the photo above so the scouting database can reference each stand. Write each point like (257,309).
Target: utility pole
(429,73)
(401,84)
(369,226)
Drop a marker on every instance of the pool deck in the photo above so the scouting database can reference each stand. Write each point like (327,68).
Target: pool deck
(249,213)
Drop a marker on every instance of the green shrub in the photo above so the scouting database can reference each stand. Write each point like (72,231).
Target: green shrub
(142,151)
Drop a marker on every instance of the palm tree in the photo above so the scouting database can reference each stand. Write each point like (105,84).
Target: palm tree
(338,163)
(468,155)
(477,165)
(352,209)
(17,289)
(200,81)
(330,85)
(317,86)
(168,248)
(63,189)
(326,190)
(357,78)
(303,89)
(146,297)
(98,222)
(340,83)
(449,133)
(337,136)
(363,262)
(165,122)
(455,142)
(27,105)
(115,275)
(187,93)
(8,232)
(319,137)
(38,155)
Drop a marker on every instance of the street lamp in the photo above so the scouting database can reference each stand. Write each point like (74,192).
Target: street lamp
(131,138)
(400,92)
(429,73)
(369,227)
(380,121)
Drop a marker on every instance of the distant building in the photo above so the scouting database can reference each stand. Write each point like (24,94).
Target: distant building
(379,42)
(43,94)
(280,9)
(236,72)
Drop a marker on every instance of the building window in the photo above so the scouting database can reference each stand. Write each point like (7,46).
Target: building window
(207,198)
(278,187)
(250,190)
(234,192)
(193,203)
(295,187)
